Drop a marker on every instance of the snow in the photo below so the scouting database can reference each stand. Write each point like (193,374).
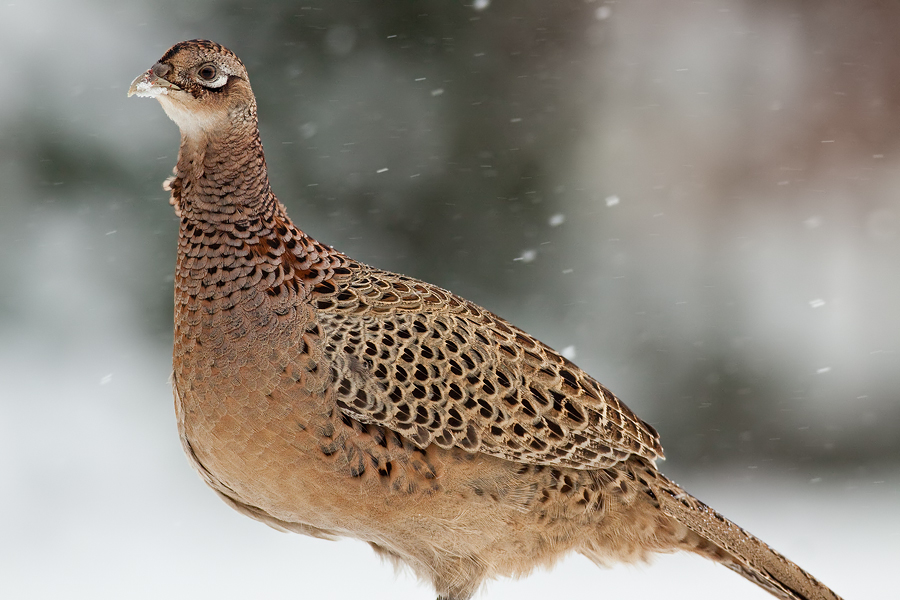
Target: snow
(340,40)
(557,220)
(308,130)
(527,256)
(813,222)
(145,89)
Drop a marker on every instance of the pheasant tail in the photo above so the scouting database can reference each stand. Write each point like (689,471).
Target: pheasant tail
(728,544)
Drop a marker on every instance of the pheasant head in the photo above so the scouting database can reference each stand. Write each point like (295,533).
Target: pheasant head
(202,86)
(221,172)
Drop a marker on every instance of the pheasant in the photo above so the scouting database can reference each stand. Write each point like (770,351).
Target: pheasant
(323,396)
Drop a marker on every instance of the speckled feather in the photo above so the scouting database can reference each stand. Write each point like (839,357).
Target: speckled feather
(323,396)
(439,369)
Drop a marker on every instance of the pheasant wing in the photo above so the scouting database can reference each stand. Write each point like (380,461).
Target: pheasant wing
(439,369)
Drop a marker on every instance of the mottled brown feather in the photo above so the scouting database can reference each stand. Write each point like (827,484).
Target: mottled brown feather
(440,369)
(326,397)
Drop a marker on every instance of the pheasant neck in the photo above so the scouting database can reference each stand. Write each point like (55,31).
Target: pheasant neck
(235,237)
(221,177)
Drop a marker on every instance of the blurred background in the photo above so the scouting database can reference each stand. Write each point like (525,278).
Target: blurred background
(696,201)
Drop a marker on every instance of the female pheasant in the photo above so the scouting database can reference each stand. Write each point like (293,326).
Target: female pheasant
(323,396)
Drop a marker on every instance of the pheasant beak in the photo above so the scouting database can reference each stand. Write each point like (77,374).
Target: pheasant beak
(151,84)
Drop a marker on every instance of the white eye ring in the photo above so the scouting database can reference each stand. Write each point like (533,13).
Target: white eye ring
(211,77)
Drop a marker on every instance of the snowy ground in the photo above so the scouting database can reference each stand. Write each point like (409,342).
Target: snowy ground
(98,502)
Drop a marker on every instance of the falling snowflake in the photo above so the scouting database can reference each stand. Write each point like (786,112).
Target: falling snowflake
(814,222)
(557,220)
(527,256)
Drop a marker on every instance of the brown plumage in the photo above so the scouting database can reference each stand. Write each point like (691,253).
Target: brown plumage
(323,396)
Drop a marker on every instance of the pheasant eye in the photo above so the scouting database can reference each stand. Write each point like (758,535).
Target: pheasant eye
(207,72)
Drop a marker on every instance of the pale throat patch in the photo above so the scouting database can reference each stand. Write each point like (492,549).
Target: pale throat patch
(191,121)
